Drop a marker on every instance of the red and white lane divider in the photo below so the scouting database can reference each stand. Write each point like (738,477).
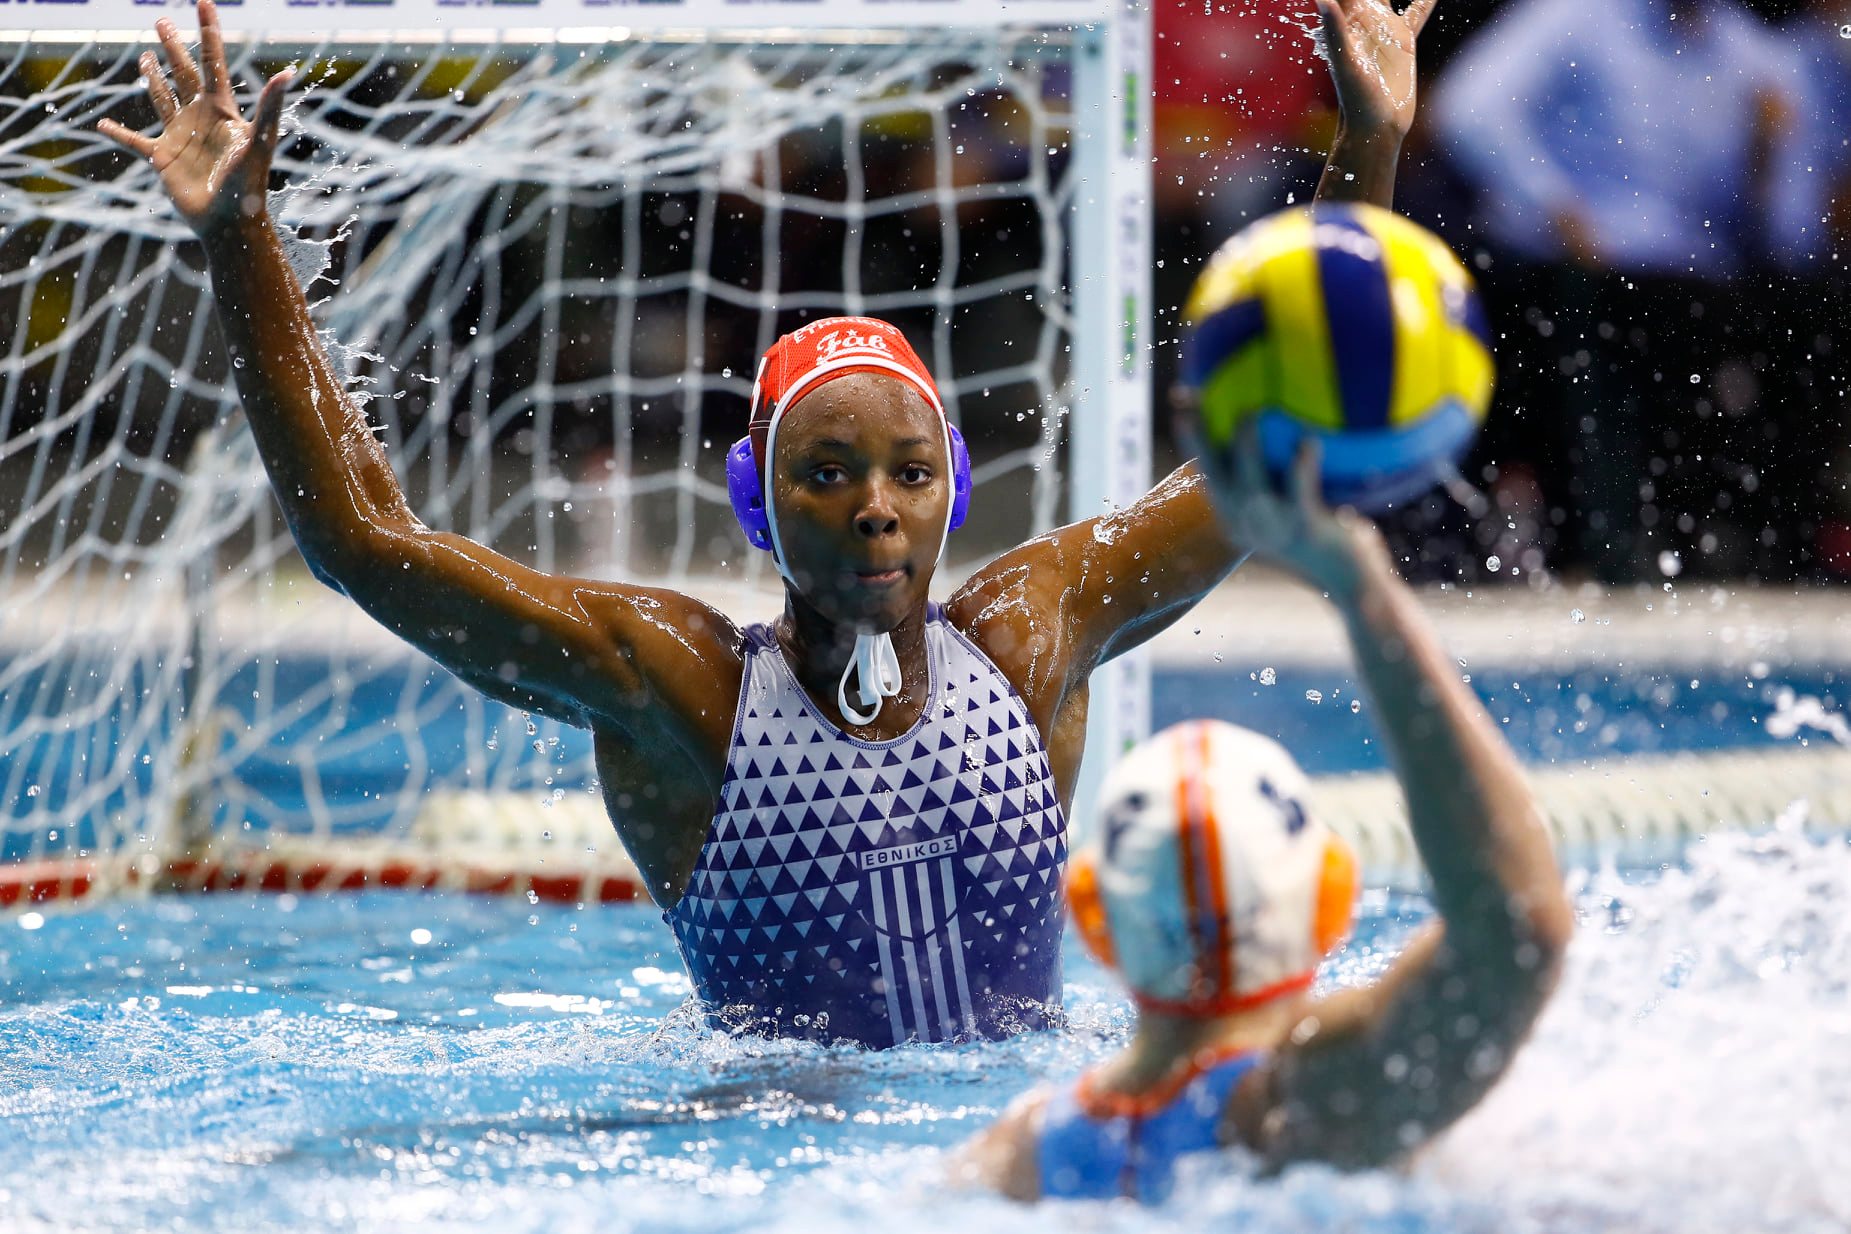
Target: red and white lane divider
(310,867)
(562,852)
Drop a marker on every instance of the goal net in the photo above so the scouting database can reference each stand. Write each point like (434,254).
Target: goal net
(549,261)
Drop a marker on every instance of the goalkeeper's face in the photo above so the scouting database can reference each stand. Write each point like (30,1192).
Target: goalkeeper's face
(861,485)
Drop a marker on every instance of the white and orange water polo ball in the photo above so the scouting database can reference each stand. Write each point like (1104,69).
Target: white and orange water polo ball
(1208,884)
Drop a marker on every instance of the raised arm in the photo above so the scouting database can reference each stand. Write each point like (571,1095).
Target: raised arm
(1371,1073)
(1065,602)
(1062,604)
(576,650)
(1370,48)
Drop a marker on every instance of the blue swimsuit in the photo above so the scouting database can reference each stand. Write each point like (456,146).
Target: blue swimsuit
(880,892)
(1095,1156)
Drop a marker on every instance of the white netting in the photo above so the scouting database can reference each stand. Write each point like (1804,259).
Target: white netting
(551,270)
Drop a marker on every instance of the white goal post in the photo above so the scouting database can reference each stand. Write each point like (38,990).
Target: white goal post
(549,239)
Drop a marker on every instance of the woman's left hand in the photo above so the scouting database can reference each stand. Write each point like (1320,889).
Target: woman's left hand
(1371,51)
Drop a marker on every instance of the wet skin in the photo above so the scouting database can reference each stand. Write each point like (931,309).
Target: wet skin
(860,489)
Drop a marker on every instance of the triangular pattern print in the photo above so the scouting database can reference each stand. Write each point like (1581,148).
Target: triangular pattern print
(914,886)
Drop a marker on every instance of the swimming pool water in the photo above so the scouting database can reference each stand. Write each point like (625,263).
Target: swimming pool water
(426,1062)
(351,746)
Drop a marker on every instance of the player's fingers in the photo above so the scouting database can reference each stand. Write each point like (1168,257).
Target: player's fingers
(212,49)
(269,117)
(1307,482)
(1249,464)
(122,135)
(180,61)
(1418,13)
(1330,17)
(165,105)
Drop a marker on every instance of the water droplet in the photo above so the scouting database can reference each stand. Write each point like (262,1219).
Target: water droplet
(533,897)
(1696,379)
(1670,564)
(1577,616)
(1314,696)
(1268,677)
(1494,563)
(1844,31)
(1356,705)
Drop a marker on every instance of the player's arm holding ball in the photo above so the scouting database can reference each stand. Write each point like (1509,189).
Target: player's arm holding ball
(1088,592)
(565,647)
(1372,1072)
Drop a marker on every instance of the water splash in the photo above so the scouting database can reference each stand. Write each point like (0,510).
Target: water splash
(1794,712)
(1687,1078)
(1691,1074)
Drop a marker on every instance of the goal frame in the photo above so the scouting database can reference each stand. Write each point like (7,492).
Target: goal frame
(1107,43)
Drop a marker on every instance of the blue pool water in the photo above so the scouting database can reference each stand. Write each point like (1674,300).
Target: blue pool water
(203,1061)
(433,1063)
(430,1062)
(420,1062)
(378,734)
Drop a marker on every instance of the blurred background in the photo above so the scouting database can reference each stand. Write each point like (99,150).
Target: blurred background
(1653,195)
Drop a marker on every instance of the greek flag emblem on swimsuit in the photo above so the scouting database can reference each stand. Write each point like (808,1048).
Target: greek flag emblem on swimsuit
(880,892)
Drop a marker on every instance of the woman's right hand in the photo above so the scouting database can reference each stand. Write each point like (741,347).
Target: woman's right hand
(1285,519)
(213,163)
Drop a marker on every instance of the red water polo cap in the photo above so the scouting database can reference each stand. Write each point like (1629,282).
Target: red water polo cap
(818,353)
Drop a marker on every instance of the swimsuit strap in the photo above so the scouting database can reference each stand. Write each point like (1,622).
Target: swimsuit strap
(1094,1145)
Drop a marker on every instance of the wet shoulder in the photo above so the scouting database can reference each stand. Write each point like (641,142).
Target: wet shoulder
(1015,610)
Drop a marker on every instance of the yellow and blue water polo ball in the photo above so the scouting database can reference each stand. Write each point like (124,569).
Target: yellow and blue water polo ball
(1350,324)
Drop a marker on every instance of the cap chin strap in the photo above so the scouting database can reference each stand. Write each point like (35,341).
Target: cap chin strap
(878,667)
(874,660)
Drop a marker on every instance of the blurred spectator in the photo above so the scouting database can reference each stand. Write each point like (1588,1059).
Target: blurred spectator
(1813,210)
(1625,153)
(1810,238)
(1634,133)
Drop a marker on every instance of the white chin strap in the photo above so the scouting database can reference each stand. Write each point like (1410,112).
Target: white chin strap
(878,667)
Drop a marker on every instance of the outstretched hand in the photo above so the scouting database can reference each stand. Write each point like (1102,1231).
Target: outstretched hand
(1286,522)
(214,164)
(1371,51)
